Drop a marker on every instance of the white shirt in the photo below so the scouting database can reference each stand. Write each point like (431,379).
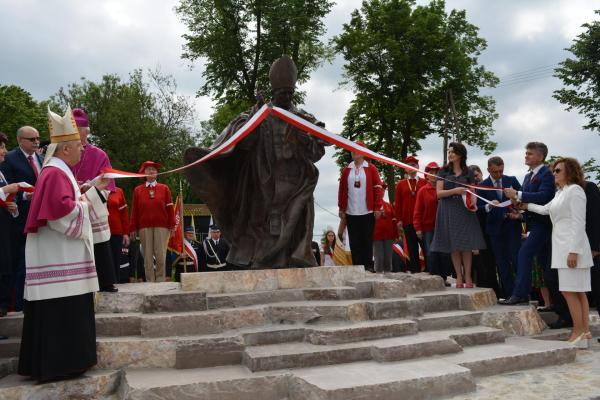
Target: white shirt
(35,160)
(151,184)
(533,173)
(357,196)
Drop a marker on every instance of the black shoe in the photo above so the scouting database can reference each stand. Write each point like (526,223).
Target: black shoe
(110,289)
(513,301)
(560,323)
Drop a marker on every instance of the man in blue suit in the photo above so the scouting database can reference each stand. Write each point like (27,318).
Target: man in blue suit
(538,188)
(21,164)
(504,232)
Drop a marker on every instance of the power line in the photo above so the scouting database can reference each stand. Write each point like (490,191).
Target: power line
(524,81)
(531,75)
(527,71)
(326,210)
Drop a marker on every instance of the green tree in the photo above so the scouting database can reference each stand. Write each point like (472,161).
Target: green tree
(18,108)
(581,76)
(134,120)
(239,39)
(401,60)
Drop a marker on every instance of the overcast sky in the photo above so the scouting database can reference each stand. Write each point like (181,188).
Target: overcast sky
(48,44)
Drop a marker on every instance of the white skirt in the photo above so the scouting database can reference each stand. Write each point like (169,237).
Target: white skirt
(574,280)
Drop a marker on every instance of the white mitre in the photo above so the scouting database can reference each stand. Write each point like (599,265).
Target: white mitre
(62,129)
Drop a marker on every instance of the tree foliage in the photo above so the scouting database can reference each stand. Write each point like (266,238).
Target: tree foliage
(581,76)
(238,40)
(134,120)
(18,108)
(401,60)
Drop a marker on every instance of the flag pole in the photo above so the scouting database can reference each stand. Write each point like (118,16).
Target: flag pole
(183,252)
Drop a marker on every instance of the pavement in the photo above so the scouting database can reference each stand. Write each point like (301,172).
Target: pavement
(579,380)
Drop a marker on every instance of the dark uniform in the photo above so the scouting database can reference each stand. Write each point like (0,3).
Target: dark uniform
(215,254)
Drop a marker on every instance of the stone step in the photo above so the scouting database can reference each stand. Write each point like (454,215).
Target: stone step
(418,283)
(230,382)
(419,379)
(8,366)
(458,299)
(270,279)
(516,354)
(360,331)
(300,354)
(228,349)
(95,384)
(107,324)
(426,378)
(10,347)
(449,319)
(232,300)
(302,312)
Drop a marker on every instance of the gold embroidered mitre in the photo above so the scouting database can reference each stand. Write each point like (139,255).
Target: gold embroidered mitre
(62,129)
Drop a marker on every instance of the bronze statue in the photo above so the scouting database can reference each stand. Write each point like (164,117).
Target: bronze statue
(261,191)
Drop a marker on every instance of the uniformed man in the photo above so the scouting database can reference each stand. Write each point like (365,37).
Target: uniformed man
(192,260)
(215,250)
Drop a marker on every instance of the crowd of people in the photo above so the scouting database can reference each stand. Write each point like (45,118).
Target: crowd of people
(539,240)
(66,233)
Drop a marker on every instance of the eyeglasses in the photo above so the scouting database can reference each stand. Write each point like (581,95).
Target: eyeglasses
(32,139)
(556,170)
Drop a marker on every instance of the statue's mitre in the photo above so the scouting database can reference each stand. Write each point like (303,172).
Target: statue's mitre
(62,129)
(283,73)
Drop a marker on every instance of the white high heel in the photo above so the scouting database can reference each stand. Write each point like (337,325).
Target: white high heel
(580,342)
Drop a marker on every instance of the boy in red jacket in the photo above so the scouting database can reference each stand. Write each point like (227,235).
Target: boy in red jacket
(384,236)
(424,215)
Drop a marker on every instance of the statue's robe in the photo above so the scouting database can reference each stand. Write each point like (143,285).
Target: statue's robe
(261,191)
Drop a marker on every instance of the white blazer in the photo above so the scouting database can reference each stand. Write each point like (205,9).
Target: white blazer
(567,212)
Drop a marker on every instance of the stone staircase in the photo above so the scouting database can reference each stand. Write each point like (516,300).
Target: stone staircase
(318,333)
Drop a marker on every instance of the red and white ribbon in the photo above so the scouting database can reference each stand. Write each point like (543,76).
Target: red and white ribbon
(312,130)
(399,250)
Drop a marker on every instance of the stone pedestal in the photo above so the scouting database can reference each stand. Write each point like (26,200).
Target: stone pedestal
(270,279)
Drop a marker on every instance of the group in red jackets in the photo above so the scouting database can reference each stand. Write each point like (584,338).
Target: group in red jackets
(373,224)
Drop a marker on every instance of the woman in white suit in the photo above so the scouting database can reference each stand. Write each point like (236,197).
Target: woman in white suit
(571,252)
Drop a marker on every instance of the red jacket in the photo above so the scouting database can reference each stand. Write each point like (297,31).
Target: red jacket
(374,189)
(147,212)
(425,209)
(117,213)
(385,226)
(404,204)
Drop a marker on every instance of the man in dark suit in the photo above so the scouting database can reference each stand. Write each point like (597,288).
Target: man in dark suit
(22,164)
(538,188)
(504,232)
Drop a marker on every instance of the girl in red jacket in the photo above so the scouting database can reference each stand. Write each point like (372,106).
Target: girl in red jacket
(424,216)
